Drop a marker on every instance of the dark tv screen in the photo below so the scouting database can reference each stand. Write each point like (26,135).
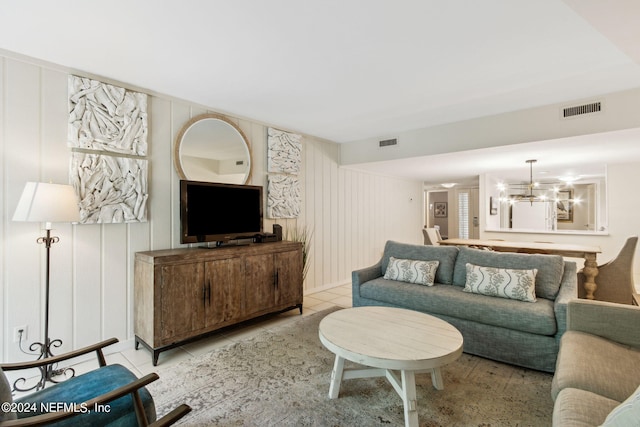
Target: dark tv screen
(219,212)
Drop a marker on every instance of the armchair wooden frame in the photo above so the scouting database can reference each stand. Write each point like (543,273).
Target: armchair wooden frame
(131,388)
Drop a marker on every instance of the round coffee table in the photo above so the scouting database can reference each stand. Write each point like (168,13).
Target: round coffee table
(390,339)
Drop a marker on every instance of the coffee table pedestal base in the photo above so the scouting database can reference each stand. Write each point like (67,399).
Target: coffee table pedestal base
(405,385)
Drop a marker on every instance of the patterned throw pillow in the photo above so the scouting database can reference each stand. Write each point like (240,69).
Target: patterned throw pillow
(412,271)
(501,282)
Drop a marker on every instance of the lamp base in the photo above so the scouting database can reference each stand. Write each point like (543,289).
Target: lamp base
(47,372)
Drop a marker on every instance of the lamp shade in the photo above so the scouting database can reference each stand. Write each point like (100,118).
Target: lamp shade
(42,202)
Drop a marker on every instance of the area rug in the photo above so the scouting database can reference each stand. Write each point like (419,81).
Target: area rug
(281,377)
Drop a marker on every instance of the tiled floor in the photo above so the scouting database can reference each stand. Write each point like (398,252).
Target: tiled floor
(139,361)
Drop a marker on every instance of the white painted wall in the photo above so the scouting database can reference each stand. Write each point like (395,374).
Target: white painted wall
(535,124)
(351,213)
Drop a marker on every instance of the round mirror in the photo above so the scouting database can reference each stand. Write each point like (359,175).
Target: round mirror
(213,149)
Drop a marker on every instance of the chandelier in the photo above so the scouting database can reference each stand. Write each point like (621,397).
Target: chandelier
(529,196)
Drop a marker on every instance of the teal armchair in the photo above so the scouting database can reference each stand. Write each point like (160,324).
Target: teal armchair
(108,396)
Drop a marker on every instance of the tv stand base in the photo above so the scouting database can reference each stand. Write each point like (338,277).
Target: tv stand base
(155,351)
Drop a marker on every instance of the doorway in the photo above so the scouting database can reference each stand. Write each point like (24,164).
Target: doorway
(437,211)
(455,212)
(468,213)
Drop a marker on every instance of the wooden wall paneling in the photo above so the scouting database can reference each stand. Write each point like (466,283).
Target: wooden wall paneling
(258,142)
(53,120)
(160,141)
(141,236)
(377,212)
(315,209)
(310,214)
(180,115)
(87,301)
(319,220)
(360,216)
(327,225)
(353,223)
(347,222)
(23,263)
(248,128)
(55,168)
(374,212)
(334,240)
(368,216)
(383,217)
(347,218)
(4,327)
(339,248)
(114,281)
(370,209)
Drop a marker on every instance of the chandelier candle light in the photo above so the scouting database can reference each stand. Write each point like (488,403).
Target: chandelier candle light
(48,203)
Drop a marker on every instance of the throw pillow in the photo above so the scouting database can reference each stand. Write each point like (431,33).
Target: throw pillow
(625,414)
(445,255)
(548,279)
(412,271)
(501,282)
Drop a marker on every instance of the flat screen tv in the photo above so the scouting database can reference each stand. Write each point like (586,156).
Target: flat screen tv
(214,212)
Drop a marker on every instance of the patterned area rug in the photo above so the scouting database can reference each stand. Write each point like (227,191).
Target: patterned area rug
(281,378)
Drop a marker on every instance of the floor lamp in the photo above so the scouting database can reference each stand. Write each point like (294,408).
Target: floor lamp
(48,203)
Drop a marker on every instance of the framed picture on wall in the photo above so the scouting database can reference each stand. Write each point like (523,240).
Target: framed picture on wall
(440,209)
(564,206)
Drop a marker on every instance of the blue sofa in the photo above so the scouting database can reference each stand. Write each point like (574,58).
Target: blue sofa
(521,333)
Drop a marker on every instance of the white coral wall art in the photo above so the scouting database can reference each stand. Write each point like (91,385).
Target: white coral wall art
(107,133)
(283,200)
(111,189)
(106,117)
(284,152)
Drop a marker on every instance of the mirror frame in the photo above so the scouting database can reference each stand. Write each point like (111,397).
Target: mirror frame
(179,139)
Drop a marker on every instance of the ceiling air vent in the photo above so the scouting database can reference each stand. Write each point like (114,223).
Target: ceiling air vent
(389,142)
(578,110)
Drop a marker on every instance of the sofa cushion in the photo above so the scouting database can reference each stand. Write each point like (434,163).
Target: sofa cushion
(412,271)
(445,255)
(501,282)
(625,414)
(578,408)
(452,301)
(548,278)
(589,362)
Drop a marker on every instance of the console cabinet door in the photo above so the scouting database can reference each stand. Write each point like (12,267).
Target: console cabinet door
(224,291)
(181,301)
(259,284)
(288,267)
(185,293)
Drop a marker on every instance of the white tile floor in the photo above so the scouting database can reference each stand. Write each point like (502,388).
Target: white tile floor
(139,361)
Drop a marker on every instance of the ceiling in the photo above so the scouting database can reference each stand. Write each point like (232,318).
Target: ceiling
(583,158)
(345,70)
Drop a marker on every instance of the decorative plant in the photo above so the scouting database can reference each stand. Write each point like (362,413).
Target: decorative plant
(303,234)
